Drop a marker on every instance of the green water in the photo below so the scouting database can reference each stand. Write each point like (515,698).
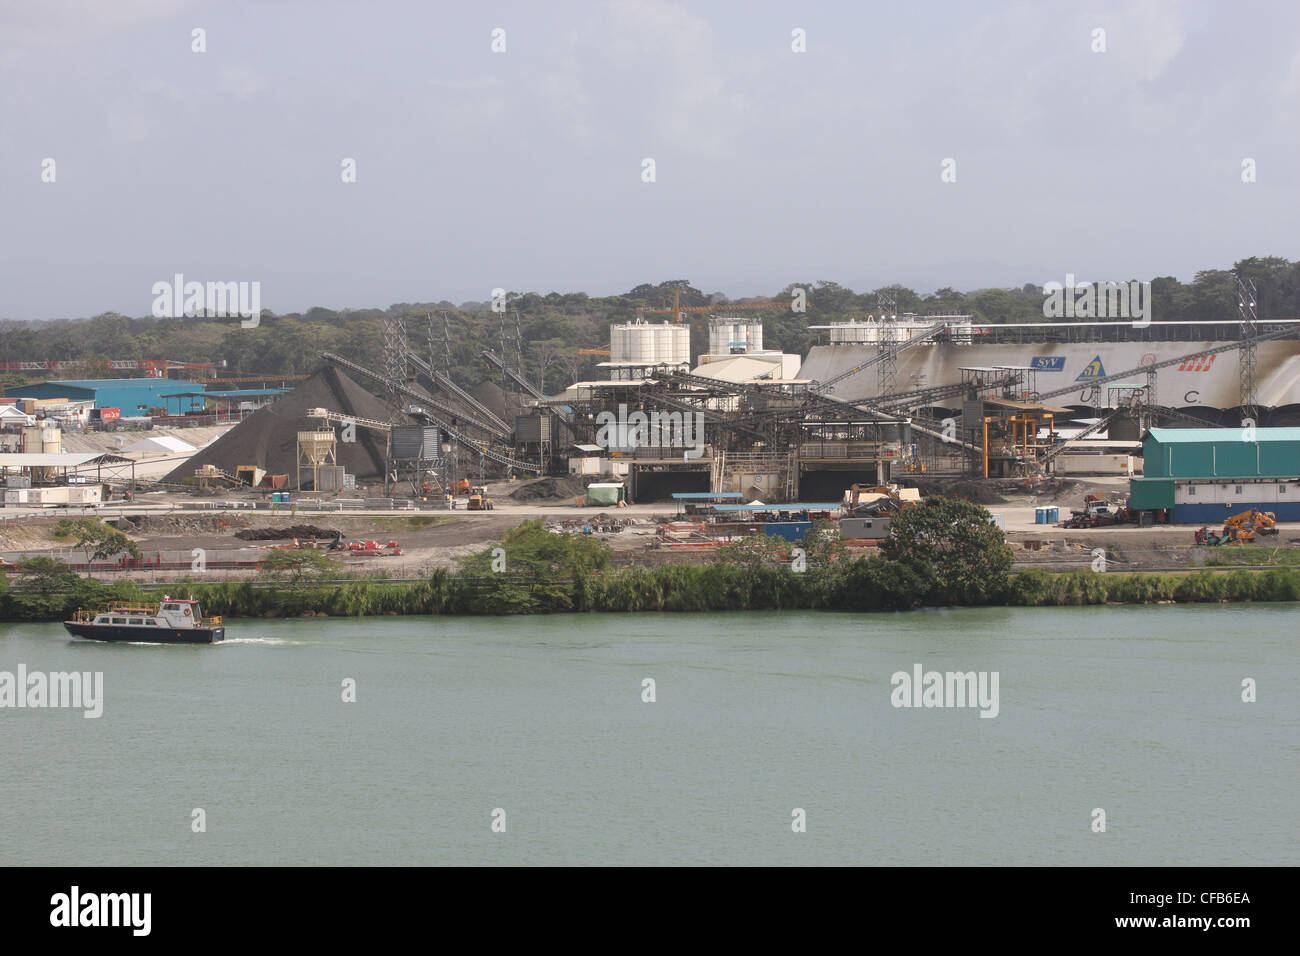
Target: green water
(1136,710)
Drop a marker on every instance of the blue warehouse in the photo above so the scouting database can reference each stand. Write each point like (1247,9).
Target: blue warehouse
(135,396)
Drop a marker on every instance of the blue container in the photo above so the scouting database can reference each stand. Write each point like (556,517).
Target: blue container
(1053,515)
(1040,516)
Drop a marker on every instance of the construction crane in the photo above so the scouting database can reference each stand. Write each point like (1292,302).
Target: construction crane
(678,309)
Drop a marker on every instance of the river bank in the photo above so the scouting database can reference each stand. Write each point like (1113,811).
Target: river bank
(863,585)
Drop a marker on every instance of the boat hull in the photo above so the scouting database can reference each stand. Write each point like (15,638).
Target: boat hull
(148,635)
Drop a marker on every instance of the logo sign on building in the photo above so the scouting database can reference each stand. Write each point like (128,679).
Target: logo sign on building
(1092,370)
(1202,363)
(1048,363)
(110,414)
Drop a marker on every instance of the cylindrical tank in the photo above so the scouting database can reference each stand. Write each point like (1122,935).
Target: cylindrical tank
(641,344)
(715,339)
(679,350)
(618,343)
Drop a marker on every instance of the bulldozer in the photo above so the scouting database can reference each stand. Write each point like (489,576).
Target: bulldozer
(478,499)
(1240,528)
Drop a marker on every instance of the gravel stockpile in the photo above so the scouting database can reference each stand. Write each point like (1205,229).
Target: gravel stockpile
(979,491)
(269,438)
(551,489)
(285,534)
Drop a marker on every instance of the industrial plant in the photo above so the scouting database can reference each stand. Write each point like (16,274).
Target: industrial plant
(1198,417)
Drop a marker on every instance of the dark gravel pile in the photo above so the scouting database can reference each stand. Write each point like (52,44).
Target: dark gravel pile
(269,437)
(979,491)
(299,531)
(551,488)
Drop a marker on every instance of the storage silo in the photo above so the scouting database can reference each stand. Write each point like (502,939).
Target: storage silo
(677,345)
(618,343)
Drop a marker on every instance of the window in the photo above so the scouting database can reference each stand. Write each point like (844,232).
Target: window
(1237,489)
(137,620)
(1281,489)
(119,620)
(1191,490)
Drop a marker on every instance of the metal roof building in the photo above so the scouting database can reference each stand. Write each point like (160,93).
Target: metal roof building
(1203,475)
(134,396)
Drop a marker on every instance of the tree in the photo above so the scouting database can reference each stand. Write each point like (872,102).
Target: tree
(46,575)
(546,354)
(98,540)
(572,363)
(296,564)
(955,546)
(531,571)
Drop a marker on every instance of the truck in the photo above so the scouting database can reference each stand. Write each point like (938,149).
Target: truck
(478,499)
(1098,513)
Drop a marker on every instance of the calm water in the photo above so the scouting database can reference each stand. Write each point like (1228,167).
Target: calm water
(1134,710)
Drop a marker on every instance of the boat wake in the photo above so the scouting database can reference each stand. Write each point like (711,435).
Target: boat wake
(262,641)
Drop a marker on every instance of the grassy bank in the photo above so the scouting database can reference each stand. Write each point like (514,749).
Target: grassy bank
(862,585)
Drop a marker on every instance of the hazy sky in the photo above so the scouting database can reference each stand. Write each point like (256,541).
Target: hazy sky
(523,169)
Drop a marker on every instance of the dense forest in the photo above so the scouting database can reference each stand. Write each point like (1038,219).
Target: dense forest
(554,326)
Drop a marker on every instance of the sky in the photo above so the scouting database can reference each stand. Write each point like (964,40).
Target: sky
(524,168)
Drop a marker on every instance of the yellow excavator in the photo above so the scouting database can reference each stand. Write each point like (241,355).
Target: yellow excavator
(1245,526)
(1240,528)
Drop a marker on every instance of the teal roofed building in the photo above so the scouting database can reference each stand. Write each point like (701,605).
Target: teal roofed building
(134,396)
(1204,475)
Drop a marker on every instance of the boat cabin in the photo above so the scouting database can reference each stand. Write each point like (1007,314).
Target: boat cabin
(170,613)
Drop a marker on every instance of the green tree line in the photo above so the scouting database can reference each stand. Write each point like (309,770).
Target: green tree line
(554,326)
(943,553)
